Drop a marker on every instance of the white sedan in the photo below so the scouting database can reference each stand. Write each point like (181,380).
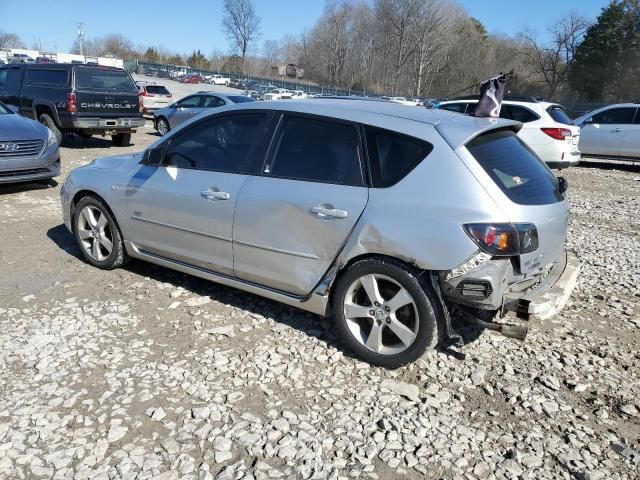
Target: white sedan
(612,131)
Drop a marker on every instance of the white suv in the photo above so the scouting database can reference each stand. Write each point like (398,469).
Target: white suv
(612,131)
(546,128)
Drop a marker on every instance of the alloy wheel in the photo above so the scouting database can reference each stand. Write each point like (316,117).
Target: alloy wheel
(95,233)
(163,127)
(381,314)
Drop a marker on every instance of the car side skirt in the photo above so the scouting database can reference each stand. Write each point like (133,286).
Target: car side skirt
(316,303)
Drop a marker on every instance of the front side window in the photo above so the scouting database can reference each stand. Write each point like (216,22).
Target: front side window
(221,144)
(393,155)
(212,102)
(190,102)
(622,116)
(514,168)
(316,150)
(46,77)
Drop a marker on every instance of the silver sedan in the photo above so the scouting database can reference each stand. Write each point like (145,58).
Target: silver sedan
(373,213)
(170,117)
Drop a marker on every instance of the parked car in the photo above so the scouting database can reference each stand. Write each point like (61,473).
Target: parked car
(192,78)
(256,95)
(41,60)
(28,150)
(153,96)
(612,131)
(276,199)
(278,94)
(20,58)
(168,118)
(83,99)
(547,129)
(218,80)
(298,95)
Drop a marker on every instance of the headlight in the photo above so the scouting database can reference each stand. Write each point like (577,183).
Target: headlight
(51,138)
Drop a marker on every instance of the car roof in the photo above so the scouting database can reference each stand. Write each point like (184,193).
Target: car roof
(455,128)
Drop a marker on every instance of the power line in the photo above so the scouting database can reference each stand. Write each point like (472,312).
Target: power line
(80,33)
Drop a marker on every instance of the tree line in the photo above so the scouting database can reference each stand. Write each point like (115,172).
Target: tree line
(421,48)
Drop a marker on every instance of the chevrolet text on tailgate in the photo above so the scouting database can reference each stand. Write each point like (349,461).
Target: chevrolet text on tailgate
(82,99)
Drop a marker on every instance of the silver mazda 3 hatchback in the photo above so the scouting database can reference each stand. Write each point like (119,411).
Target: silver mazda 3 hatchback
(379,215)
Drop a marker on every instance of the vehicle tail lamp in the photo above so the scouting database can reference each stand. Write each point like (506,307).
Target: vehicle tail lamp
(557,133)
(140,104)
(504,239)
(72,104)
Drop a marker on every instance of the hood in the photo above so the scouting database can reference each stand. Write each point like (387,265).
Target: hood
(108,163)
(16,127)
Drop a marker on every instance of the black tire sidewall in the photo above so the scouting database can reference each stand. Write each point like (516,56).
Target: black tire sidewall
(46,120)
(427,329)
(117,255)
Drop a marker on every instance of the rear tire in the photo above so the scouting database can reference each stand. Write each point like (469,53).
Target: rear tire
(121,139)
(46,120)
(394,328)
(97,234)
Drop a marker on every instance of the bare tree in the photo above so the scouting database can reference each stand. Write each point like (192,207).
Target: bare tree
(552,59)
(10,40)
(242,25)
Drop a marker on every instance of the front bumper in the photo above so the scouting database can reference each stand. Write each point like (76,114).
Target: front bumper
(92,123)
(21,169)
(492,285)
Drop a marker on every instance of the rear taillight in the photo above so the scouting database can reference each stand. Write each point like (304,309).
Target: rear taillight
(72,105)
(504,239)
(557,133)
(144,93)
(140,104)
(169,95)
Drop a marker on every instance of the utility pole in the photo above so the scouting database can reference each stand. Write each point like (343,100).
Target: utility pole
(81,37)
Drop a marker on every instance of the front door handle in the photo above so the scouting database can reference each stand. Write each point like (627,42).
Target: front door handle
(326,210)
(616,130)
(214,195)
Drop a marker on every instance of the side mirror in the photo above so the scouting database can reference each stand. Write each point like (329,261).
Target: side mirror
(153,156)
(587,121)
(563,184)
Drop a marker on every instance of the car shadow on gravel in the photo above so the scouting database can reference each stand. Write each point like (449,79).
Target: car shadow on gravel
(610,165)
(307,323)
(9,188)
(78,143)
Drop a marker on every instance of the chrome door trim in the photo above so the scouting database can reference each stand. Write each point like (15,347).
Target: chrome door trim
(170,225)
(278,250)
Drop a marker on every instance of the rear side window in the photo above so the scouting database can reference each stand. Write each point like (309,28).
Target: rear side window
(98,79)
(393,155)
(519,173)
(519,114)
(316,150)
(48,77)
(559,115)
(157,89)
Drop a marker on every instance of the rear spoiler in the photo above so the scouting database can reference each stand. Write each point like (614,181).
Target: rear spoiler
(461,129)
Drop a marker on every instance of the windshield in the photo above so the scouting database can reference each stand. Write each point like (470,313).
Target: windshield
(98,79)
(513,166)
(559,115)
(240,99)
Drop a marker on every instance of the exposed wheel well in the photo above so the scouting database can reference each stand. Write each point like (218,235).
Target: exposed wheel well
(40,109)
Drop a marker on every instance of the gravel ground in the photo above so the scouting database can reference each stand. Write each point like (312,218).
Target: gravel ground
(145,373)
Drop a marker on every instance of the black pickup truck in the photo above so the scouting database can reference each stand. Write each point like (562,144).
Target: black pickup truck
(83,99)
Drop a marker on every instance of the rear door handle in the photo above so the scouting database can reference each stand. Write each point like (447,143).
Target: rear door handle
(214,195)
(326,210)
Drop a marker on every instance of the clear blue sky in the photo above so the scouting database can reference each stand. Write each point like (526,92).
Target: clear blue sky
(182,25)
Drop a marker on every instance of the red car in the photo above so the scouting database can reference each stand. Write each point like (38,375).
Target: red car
(192,78)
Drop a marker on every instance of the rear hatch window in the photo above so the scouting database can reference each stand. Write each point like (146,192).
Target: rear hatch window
(559,115)
(98,79)
(157,89)
(519,173)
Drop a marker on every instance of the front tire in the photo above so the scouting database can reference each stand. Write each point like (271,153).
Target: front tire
(98,235)
(46,120)
(163,126)
(384,313)
(121,139)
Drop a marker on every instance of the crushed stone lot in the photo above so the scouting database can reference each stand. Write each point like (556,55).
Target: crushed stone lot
(145,373)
